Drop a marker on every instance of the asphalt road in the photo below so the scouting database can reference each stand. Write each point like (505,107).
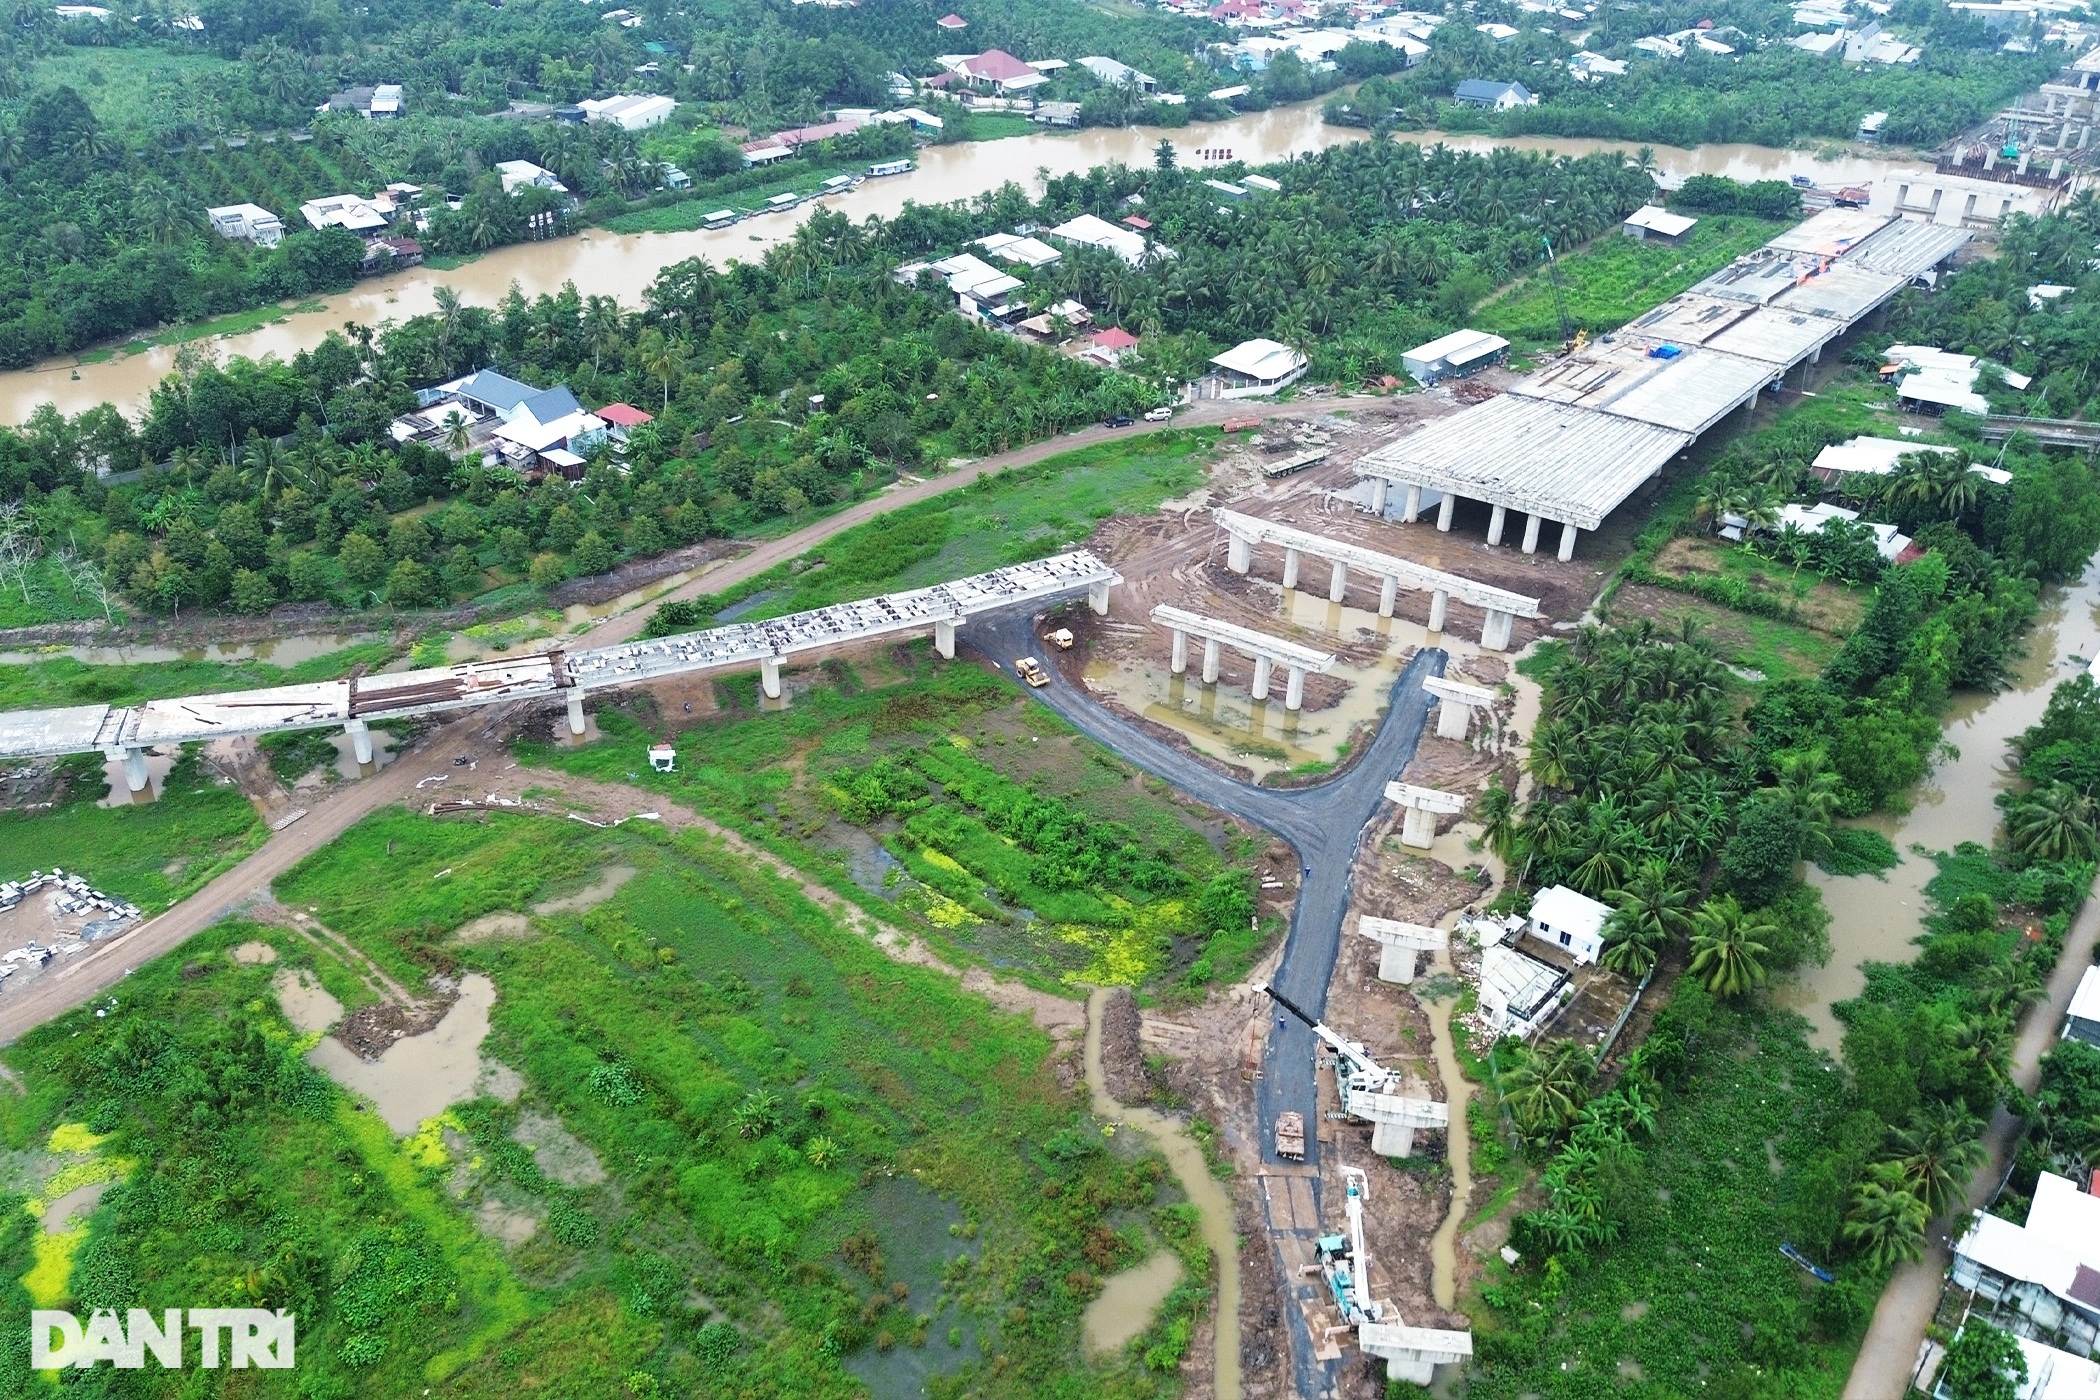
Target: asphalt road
(1324,824)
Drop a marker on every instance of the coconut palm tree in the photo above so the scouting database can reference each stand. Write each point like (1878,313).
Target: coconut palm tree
(1548,1087)
(1726,945)
(1937,1152)
(1654,907)
(1886,1221)
(2054,822)
(1807,783)
(1499,826)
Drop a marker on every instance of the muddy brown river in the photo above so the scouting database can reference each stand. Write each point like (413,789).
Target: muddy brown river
(623,265)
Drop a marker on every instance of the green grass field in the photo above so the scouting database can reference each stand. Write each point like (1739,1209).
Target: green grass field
(152,854)
(65,681)
(1019,514)
(811,1163)
(938,797)
(1615,279)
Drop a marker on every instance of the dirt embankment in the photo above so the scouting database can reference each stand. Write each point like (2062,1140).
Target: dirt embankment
(1130,1079)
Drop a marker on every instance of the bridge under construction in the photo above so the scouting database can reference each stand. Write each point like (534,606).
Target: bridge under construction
(125,733)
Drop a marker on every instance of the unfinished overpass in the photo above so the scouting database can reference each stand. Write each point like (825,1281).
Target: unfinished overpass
(125,733)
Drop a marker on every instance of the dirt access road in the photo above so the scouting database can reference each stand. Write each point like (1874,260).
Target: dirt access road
(330,815)
(1890,1351)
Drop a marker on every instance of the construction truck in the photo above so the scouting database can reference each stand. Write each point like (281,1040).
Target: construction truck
(1290,1136)
(1061,638)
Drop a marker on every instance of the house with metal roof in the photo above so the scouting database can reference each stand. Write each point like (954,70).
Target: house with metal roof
(1454,356)
(2042,1277)
(1255,367)
(2083,1020)
(1498,97)
(1650,222)
(1570,921)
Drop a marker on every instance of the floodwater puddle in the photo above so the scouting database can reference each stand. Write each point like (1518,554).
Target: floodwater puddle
(1212,1201)
(491,928)
(590,896)
(868,861)
(79,1201)
(1458,1142)
(280,651)
(346,764)
(255,953)
(1226,722)
(159,763)
(419,1076)
(562,1156)
(1127,1302)
(307,1004)
(1875,918)
(917,1241)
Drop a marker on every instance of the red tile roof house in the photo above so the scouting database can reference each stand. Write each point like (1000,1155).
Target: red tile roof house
(996,68)
(1109,346)
(620,417)
(952,22)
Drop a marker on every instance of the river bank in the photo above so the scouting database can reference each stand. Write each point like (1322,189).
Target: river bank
(602,263)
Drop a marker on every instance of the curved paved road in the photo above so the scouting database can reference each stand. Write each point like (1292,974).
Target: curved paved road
(1324,824)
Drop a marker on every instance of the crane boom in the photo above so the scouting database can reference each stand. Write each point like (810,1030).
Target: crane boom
(1353,1052)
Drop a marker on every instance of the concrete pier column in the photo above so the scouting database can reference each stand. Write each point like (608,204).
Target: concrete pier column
(1290,568)
(1210,660)
(1411,509)
(1294,693)
(1397,964)
(1495,519)
(1239,556)
(1531,534)
(944,638)
(768,677)
(1418,828)
(1262,667)
(1451,719)
(1445,511)
(1388,594)
(1097,597)
(1337,582)
(1393,1140)
(1494,631)
(1180,663)
(576,724)
(361,735)
(1379,487)
(135,775)
(1567,540)
(1438,601)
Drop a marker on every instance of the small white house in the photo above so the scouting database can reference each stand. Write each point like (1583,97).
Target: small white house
(629,112)
(1454,356)
(519,173)
(1255,367)
(1648,222)
(249,223)
(1571,921)
(1518,993)
(663,758)
(2083,1020)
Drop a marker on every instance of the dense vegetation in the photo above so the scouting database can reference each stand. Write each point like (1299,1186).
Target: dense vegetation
(284,485)
(790,1130)
(1766,93)
(1690,812)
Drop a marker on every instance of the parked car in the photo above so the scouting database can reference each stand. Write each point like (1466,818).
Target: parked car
(1121,420)
(1159,415)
